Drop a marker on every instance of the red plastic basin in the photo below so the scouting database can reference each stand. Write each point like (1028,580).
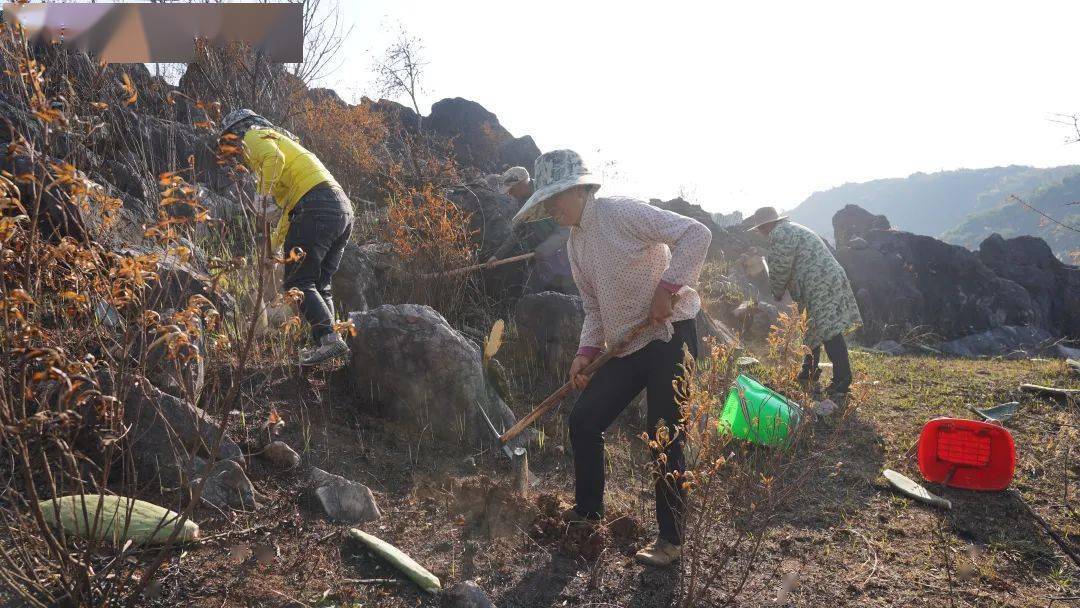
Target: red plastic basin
(967,454)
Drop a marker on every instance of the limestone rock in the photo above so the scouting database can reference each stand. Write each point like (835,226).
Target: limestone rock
(548,325)
(906,282)
(226,484)
(1006,341)
(409,360)
(467,594)
(1054,286)
(364,269)
(281,455)
(853,222)
(344,500)
(889,347)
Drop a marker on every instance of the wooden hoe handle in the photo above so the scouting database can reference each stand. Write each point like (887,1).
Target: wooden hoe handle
(467,269)
(589,370)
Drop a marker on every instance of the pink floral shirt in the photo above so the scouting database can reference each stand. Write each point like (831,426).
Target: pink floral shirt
(619,253)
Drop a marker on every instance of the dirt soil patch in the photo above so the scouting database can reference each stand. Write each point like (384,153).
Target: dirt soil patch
(846,540)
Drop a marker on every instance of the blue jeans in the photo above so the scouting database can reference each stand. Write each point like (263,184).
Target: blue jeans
(320,225)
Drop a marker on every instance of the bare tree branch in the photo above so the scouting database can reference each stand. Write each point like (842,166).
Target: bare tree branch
(1040,212)
(401,69)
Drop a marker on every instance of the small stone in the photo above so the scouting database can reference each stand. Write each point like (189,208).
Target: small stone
(226,486)
(468,594)
(825,407)
(342,499)
(281,455)
(742,362)
(888,347)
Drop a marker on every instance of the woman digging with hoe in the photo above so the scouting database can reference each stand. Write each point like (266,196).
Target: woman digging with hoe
(628,259)
(316,218)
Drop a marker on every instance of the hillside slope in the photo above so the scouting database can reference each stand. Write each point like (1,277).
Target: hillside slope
(1012,219)
(929,203)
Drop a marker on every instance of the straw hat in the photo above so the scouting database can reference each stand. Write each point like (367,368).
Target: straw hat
(765,215)
(555,172)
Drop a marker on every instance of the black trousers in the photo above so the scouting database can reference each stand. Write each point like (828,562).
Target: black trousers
(836,349)
(611,389)
(320,224)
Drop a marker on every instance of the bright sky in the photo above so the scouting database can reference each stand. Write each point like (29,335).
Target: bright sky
(740,104)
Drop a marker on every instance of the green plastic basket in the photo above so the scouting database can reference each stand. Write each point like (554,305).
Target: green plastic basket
(767,419)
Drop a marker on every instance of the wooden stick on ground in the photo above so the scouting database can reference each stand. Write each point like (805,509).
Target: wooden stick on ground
(468,269)
(1050,391)
(1047,528)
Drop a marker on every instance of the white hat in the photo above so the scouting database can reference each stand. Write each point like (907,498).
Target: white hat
(512,177)
(555,172)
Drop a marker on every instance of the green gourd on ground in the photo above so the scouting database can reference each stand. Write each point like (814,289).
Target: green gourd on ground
(148,524)
(417,573)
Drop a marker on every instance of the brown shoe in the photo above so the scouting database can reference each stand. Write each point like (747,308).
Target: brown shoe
(660,553)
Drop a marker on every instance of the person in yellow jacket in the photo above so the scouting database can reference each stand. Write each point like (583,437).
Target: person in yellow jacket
(316,217)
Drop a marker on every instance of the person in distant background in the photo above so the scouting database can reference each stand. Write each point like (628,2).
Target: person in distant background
(550,269)
(316,217)
(800,263)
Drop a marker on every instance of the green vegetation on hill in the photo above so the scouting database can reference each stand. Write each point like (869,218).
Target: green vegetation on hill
(1011,219)
(930,203)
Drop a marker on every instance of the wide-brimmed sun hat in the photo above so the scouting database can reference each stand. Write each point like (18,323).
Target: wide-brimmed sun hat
(554,172)
(512,177)
(765,215)
(232,118)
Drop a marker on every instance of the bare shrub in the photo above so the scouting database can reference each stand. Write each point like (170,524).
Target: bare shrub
(736,490)
(79,323)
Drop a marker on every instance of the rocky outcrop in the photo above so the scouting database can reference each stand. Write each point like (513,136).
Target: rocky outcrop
(548,327)
(408,359)
(690,210)
(489,215)
(1054,286)
(905,282)
(1007,341)
(365,270)
(853,221)
(477,137)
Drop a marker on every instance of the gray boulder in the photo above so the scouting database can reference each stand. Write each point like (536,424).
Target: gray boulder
(489,215)
(226,484)
(548,327)
(407,358)
(1054,286)
(468,594)
(344,500)
(171,442)
(1007,341)
(853,222)
(364,268)
(889,347)
(904,281)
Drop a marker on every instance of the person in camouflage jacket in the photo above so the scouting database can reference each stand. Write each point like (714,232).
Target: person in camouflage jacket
(801,264)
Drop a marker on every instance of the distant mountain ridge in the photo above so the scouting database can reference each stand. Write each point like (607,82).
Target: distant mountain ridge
(1060,201)
(961,206)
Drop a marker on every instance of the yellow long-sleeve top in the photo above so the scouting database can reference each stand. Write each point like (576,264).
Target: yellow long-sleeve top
(284,169)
